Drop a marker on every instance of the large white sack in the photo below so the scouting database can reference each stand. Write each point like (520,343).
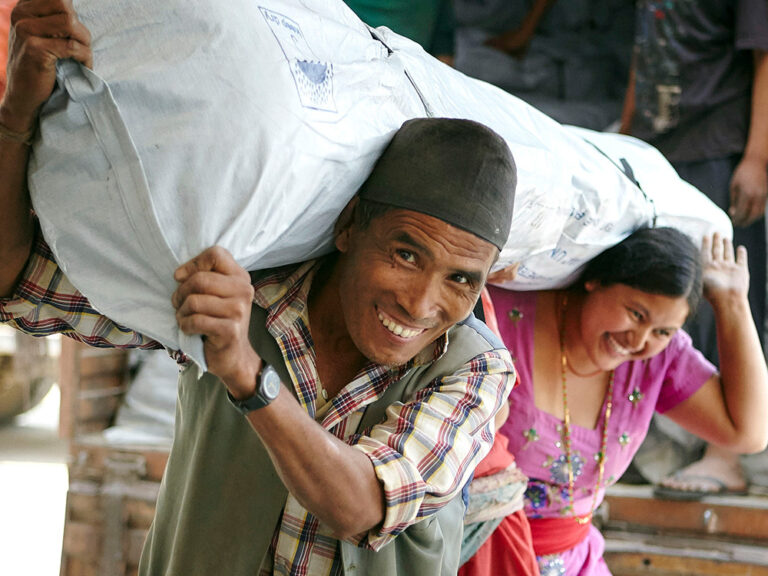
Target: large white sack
(240,123)
(250,125)
(675,202)
(148,411)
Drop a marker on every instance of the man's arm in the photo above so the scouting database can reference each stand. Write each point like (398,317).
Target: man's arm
(331,479)
(16,226)
(352,489)
(749,184)
(515,42)
(43,31)
(43,301)
(628,109)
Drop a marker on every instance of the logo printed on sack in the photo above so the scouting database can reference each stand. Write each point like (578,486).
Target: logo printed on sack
(313,78)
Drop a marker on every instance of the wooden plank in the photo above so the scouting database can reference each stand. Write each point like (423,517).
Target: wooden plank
(113,489)
(73,566)
(140,513)
(83,542)
(87,521)
(84,504)
(629,564)
(68,380)
(100,361)
(90,427)
(91,453)
(140,496)
(81,370)
(102,382)
(743,517)
(83,507)
(631,554)
(136,538)
(100,407)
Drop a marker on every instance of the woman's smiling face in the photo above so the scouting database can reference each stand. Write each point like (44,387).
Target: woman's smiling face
(620,323)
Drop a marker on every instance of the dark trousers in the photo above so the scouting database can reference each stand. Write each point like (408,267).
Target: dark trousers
(713,178)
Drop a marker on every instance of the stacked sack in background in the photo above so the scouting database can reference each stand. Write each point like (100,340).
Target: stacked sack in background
(251,124)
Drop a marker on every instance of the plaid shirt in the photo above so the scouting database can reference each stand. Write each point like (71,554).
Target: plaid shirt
(45,302)
(423,453)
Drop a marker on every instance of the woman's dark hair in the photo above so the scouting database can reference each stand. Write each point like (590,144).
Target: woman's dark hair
(655,260)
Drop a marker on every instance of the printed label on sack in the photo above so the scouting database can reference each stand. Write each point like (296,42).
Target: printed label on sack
(313,78)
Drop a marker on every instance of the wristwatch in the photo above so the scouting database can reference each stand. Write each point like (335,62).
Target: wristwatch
(267,388)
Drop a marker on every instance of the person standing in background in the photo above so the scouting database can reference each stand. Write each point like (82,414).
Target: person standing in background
(428,22)
(698,91)
(568,59)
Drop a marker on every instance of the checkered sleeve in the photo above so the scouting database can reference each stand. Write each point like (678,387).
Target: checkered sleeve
(45,302)
(426,449)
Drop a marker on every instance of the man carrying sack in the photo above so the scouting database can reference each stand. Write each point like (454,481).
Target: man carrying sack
(347,399)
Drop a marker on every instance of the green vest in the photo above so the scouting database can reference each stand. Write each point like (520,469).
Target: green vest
(220,499)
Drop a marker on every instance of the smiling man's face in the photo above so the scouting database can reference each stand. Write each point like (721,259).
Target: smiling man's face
(405,279)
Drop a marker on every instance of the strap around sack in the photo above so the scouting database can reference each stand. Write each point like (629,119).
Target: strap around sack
(265,345)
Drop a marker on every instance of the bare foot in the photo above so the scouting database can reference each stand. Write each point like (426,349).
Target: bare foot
(718,472)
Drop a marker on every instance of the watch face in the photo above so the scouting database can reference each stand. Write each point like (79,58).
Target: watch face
(270,383)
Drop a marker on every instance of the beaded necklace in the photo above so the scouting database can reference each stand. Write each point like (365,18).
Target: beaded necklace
(601,456)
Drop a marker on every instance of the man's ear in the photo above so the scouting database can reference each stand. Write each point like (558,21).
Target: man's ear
(590,285)
(343,225)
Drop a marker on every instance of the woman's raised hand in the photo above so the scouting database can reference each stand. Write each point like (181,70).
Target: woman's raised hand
(725,274)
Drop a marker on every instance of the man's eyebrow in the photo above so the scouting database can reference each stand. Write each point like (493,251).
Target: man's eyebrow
(475,278)
(409,240)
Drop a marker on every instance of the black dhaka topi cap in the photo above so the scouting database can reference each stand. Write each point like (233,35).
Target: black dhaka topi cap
(459,171)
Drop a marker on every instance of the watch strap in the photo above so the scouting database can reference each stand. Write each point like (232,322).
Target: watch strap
(250,404)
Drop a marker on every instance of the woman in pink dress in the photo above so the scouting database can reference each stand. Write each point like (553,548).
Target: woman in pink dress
(597,360)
